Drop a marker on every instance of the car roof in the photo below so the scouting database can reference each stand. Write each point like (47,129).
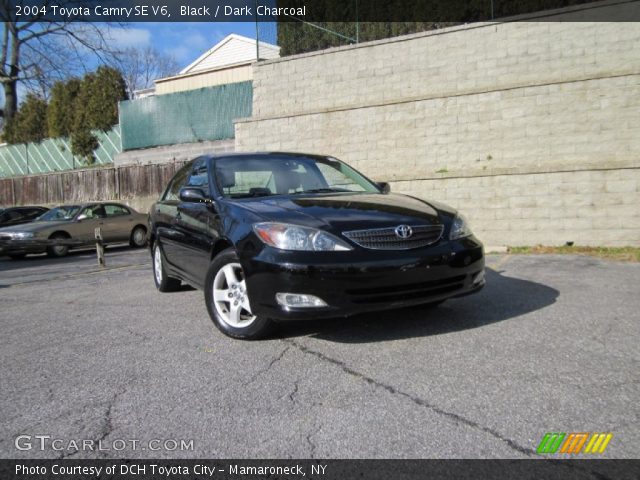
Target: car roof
(89,204)
(268,155)
(23,206)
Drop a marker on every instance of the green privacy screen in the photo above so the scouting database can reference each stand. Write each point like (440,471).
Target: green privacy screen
(54,154)
(184,117)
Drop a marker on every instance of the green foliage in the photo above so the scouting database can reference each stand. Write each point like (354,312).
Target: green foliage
(29,123)
(83,143)
(96,109)
(77,107)
(102,91)
(299,37)
(62,107)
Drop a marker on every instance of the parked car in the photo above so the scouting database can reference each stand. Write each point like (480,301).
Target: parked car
(19,215)
(72,226)
(287,236)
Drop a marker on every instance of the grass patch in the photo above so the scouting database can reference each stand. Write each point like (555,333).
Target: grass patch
(625,254)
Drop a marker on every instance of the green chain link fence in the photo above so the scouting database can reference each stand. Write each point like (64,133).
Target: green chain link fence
(184,117)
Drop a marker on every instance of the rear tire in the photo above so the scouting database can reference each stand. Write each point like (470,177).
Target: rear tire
(227,299)
(163,282)
(58,251)
(138,238)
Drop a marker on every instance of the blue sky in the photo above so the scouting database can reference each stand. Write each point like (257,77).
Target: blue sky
(183,41)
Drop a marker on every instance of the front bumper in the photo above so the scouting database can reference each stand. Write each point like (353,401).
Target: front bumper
(33,245)
(363,280)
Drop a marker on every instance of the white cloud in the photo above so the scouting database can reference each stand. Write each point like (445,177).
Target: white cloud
(128,37)
(197,41)
(189,47)
(180,53)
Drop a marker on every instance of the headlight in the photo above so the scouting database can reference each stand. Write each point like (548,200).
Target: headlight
(20,235)
(294,237)
(459,228)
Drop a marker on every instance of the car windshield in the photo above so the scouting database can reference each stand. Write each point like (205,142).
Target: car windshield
(65,212)
(241,177)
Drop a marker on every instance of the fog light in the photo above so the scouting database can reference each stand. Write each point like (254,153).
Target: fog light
(299,300)
(478,278)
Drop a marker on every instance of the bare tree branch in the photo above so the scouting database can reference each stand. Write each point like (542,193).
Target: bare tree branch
(37,52)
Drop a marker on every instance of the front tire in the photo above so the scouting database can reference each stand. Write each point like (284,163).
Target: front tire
(164,283)
(138,237)
(58,251)
(228,302)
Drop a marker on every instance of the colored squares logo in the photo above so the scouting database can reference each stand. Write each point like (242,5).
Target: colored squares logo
(573,443)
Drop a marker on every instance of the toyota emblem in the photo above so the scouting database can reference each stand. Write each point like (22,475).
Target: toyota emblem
(403,231)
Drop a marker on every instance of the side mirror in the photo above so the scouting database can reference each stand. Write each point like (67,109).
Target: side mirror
(385,187)
(84,216)
(193,195)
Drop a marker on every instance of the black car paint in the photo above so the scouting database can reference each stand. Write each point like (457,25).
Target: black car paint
(192,233)
(26,214)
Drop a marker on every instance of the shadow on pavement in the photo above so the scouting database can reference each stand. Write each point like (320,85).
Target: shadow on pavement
(38,260)
(503,298)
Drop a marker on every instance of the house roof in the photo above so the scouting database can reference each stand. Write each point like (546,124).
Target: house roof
(232,50)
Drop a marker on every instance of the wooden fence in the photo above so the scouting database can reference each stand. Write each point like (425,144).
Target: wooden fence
(92,184)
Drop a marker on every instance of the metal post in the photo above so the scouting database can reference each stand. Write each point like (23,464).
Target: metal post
(99,247)
(491,9)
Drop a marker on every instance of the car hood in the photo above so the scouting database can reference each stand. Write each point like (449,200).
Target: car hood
(346,211)
(34,226)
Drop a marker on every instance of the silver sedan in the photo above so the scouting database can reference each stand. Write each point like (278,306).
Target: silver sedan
(71,226)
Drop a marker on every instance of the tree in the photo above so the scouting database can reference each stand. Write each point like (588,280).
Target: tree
(377,19)
(29,124)
(141,66)
(37,52)
(62,107)
(107,88)
(83,143)
(96,108)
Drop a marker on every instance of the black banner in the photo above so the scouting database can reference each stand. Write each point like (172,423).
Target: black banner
(429,11)
(547,469)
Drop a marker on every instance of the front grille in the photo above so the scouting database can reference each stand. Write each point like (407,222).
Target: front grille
(386,238)
(413,291)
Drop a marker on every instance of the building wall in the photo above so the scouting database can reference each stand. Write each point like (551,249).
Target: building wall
(236,49)
(191,81)
(532,128)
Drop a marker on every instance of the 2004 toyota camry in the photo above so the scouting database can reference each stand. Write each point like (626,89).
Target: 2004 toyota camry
(287,236)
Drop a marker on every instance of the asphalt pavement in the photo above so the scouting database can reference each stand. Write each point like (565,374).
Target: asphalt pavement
(98,355)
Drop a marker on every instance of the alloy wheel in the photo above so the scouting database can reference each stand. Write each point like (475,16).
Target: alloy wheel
(230,296)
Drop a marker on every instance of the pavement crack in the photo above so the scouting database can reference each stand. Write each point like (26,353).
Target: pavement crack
(294,392)
(456,418)
(106,428)
(273,361)
(312,446)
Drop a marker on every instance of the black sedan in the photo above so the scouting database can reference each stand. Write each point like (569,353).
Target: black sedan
(18,215)
(288,236)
